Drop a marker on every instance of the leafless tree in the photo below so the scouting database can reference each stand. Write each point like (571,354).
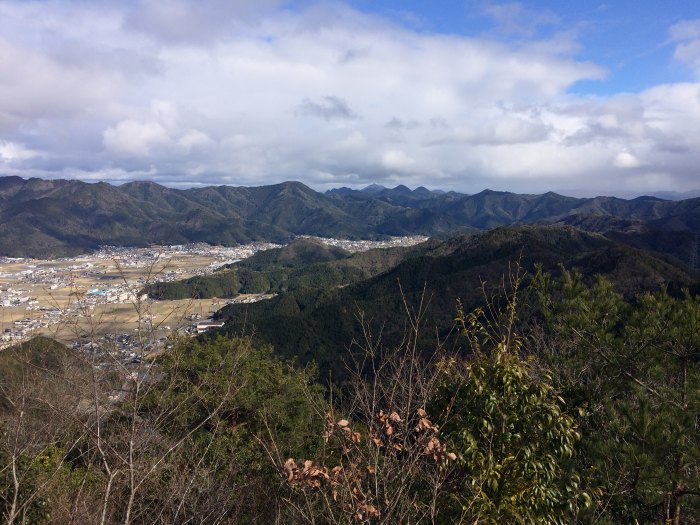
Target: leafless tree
(382,459)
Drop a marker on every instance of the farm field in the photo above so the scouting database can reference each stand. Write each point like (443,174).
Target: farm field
(100,293)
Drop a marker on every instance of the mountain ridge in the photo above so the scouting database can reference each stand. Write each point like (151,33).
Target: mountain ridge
(315,323)
(49,218)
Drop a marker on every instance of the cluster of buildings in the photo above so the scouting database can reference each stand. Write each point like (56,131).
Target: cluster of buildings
(123,348)
(22,327)
(10,297)
(54,291)
(130,258)
(38,294)
(363,246)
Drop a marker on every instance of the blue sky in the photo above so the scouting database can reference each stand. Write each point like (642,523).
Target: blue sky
(629,38)
(594,98)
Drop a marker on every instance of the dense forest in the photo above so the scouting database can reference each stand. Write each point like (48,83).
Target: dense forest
(550,396)
(317,322)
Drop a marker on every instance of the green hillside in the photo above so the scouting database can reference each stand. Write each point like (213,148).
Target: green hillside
(317,324)
(302,264)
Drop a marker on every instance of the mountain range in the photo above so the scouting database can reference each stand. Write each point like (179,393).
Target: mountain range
(49,218)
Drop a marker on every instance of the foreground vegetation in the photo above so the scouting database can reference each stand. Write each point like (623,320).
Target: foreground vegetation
(562,402)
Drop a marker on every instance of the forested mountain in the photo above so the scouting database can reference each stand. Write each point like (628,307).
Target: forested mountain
(44,218)
(304,263)
(317,322)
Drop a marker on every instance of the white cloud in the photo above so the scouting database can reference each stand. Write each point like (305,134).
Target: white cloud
(246,92)
(514,18)
(11,151)
(34,87)
(625,159)
(397,160)
(194,139)
(135,138)
(686,36)
(201,22)
(497,128)
(354,142)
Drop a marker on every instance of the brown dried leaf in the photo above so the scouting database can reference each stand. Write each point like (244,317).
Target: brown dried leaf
(371,510)
(423,424)
(289,467)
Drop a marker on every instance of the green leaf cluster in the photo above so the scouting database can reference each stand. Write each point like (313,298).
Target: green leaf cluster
(510,430)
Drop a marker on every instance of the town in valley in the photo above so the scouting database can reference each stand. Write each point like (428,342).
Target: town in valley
(95,302)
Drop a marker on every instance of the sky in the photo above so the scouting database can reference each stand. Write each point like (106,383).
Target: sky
(578,97)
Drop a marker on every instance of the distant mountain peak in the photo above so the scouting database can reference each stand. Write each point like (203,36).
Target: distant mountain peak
(136,183)
(490,192)
(402,189)
(647,198)
(141,212)
(343,190)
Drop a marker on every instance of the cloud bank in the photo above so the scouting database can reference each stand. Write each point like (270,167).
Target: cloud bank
(249,93)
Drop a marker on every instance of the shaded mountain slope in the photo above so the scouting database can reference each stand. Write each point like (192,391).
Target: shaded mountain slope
(682,243)
(315,324)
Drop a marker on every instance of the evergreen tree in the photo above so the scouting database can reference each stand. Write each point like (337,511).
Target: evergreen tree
(635,368)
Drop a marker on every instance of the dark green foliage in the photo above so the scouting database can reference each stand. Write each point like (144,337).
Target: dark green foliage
(303,264)
(59,217)
(200,443)
(669,239)
(259,390)
(317,325)
(220,284)
(31,471)
(300,252)
(40,386)
(589,416)
(635,369)
(42,360)
(244,406)
(40,352)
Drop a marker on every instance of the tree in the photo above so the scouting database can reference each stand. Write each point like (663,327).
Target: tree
(188,440)
(448,437)
(509,427)
(635,369)
(228,400)
(380,457)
